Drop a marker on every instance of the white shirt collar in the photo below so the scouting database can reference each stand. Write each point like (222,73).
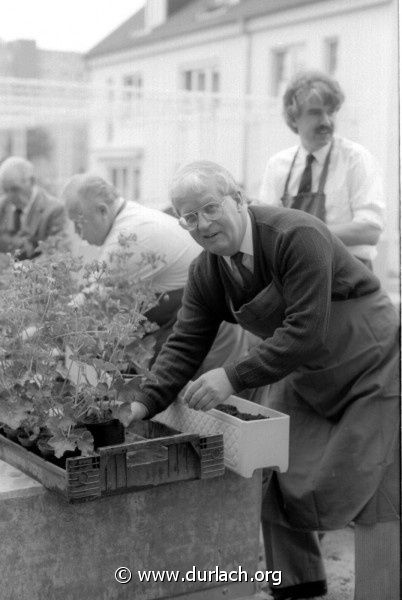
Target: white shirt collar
(319,155)
(246,245)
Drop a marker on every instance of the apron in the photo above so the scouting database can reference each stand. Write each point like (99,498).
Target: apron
(344,415)
(313,202)
(310,202)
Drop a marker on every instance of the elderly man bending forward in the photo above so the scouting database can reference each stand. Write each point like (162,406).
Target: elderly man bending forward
(101,216)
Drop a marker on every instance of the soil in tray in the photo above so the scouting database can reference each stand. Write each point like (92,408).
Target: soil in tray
(229,409)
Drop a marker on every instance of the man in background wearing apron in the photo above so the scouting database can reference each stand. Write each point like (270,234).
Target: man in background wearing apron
(328,176)
(329,342)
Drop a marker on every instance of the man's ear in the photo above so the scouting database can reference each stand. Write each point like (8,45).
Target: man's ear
(103,209)
(238,197)
(292,124)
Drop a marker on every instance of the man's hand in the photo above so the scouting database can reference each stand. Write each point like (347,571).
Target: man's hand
(136,412)
(207,391)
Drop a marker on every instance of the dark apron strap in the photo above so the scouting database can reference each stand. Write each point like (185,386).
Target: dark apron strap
(324,172)
(285,191)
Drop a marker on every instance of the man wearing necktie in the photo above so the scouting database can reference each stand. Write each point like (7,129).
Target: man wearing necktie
(28,214)
(328,341)
(326,175)
(245,275)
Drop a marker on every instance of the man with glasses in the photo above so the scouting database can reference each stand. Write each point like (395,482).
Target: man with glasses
(328,346)
(28,214)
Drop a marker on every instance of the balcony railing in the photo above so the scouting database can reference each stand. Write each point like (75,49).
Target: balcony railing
(35,101)
(27,102)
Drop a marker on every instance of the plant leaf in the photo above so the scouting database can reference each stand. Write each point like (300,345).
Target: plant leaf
(104,365)
(62,422)
(102,389)
(13,414)
(84,441)
(61,444)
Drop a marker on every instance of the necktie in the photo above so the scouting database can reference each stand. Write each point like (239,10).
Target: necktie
(245,273)
(17,219)
(306,178)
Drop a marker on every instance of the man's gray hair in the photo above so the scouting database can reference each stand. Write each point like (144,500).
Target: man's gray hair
(16,167)
(302,86)
(195,176)
(87,187)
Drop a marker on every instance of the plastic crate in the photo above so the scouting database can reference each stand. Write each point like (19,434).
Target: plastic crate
(153,454)
(248,445)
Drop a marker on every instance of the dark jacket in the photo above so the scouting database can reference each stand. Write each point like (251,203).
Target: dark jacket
(46,217)
(309,266)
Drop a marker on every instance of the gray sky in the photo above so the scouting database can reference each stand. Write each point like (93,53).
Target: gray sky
(63,24)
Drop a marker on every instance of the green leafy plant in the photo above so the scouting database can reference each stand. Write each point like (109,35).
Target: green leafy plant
(74,338)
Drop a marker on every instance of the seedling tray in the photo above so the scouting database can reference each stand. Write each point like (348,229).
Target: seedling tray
(248,445)
(153,454)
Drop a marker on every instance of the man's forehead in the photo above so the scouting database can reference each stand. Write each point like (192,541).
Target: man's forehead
(313,98)
(208,189)
(316,97)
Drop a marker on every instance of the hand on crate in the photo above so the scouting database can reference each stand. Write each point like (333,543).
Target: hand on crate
(137,412)
(207,391)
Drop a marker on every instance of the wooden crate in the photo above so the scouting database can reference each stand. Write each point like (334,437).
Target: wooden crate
(153,454)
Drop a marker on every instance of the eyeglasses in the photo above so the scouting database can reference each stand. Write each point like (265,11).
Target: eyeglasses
(210,212)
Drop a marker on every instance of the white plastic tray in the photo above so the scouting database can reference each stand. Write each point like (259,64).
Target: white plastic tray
(248,445)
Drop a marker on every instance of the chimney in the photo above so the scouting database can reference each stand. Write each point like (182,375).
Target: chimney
(24,58)
(156,12)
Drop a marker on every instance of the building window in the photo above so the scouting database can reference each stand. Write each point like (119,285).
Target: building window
(110,100)
(126,178)
(187,80)
(200,79)
(110,89)
(118,175)
(215,82)
(132,90)
(286,62)
(331,46)
(109,131)
(133,86)
(136,184)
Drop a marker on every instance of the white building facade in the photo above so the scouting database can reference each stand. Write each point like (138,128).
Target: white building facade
(203,79)
(39,90)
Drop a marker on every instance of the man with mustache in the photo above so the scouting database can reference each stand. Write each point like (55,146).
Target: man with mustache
(328,176)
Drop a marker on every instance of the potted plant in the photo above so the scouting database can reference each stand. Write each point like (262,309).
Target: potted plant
(69,333)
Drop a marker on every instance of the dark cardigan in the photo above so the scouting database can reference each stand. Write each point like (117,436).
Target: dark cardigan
(309,266)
